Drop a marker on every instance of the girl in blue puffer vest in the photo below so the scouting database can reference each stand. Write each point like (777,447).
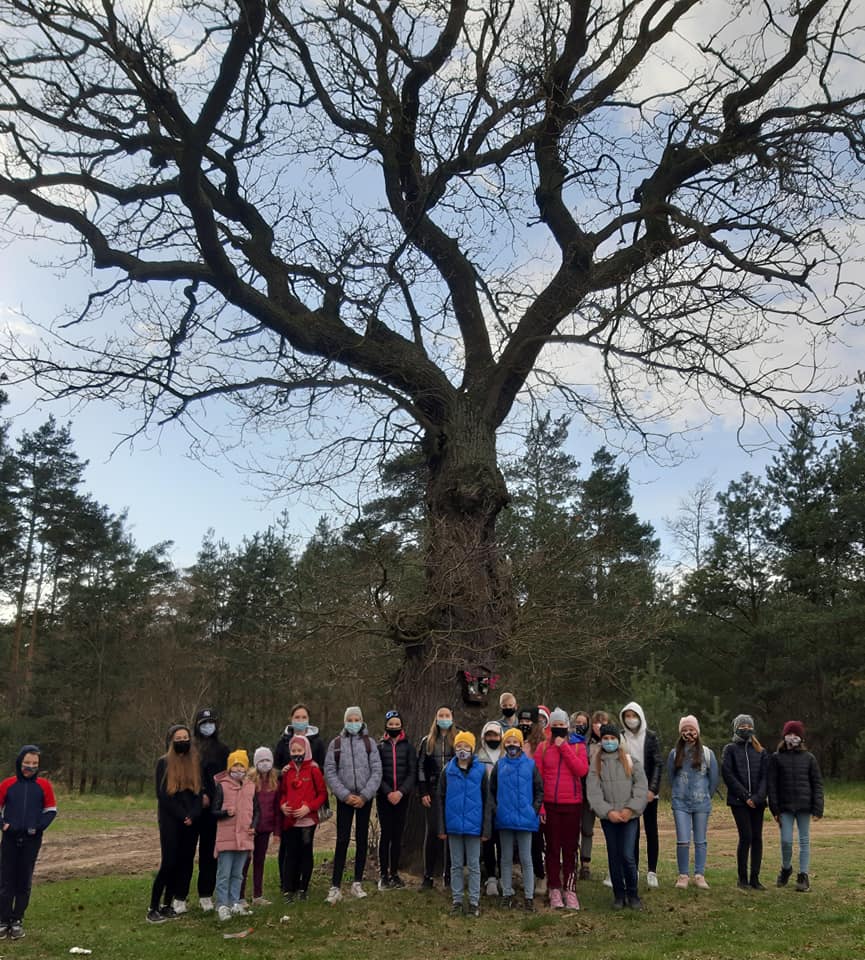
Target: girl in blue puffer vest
(464,815)
(516,793)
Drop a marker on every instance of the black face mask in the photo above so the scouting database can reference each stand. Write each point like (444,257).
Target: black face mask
(181,746)
(581,729)
(296,759)
(508,711)
(558,732)
(525,729)
(745,734)
(493,744)
(393,733)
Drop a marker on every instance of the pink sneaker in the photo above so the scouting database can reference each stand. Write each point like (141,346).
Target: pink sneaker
(682,882)
(700,882)
(556,902)
(571,901)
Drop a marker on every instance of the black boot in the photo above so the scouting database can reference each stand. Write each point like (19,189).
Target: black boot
(784,876)
(803,884)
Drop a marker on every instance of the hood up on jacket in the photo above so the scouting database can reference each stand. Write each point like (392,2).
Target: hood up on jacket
(634,739)
(307,749)
(27,748)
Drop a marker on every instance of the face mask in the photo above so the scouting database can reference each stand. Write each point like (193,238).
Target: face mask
(581,729)
(354,726)
(391,732)
(744,734)
(493,744)
(29,771)
(525,729)
(300,726)
(444,724)
(513,749)
(181,746)
(297,758)
(792,740)
(611,746)
(207,729)
(463,753)
(508,711)
(633,723)
(558,732)
(264,766)
(237,774)
(689,736)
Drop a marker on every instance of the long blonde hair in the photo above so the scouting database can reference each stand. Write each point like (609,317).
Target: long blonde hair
(270,780)
(435,732)
(624,759)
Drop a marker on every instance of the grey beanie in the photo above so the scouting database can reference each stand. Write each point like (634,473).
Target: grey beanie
(349,710)
(742,718)
(558,718)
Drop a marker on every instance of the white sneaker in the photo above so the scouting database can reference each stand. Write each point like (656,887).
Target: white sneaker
(540,886)
(607,881)
(240,909)
(206,904)
(261,902)
(334,895)
(357,890)
(179,906)
(492,887)
(224,912)
(652,879)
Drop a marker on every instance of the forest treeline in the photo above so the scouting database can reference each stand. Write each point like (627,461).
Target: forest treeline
(105,642)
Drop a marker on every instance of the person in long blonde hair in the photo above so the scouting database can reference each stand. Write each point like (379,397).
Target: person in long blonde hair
(434,754)
(178,794)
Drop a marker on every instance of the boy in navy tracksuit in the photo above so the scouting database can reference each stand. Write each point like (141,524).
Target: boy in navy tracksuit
(27,808)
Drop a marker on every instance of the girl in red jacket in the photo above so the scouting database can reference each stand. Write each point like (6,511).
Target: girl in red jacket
(562,766)
(302,793)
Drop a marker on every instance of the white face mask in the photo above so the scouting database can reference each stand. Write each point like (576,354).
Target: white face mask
(792,740)
(264,766)
(207,729)
(632,723)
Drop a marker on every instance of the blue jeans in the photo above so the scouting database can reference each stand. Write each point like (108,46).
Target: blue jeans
(621,842)
(229,876)
(523,840)
(802,819)
(465,850)
(688,823)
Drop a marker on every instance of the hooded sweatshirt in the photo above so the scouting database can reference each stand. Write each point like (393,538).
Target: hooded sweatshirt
(27,804)
(643,745)
(489,758)
(281,751)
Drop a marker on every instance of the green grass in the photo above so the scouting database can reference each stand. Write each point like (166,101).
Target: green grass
(107,915)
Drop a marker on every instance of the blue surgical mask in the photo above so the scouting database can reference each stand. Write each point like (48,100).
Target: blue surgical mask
(611,746)
(300,726)
(444,724)
(207,729)
(353,726)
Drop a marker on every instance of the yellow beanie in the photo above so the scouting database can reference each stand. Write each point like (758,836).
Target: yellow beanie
(238,756)
(465,739)
(513,733)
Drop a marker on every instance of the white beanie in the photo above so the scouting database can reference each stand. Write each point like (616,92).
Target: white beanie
(559,717)
(262,753)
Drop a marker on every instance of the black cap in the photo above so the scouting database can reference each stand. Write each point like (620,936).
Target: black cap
(528,715)
(206,713)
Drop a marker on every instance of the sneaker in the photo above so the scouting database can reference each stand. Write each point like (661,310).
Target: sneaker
(303,895)
(357,890)
(474,910)
(179,906)
(784,876)
(634,903)
(169,912)
(541,886)
(16,930)
(457,908)
(652,880)
(397,882)
(206,904)
(240,909)
(529,905)
(492,887)
(506,903)
(700,882)
(384,883)
(334,895)
(682,882)
(556,902)
(427,883)
(608,882)
(585,872)
(288,896)
(223,912)
(803,885)
(153,916)
(756,885)
(4,929)
(571,901)
(743,885)
(261,902)
(618,904)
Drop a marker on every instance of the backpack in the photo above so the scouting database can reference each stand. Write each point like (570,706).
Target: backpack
(337,747)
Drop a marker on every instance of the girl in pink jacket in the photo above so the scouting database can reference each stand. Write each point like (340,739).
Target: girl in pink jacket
(562,766)
(235,808)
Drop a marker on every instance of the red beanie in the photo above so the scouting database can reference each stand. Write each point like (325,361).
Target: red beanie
(796,727)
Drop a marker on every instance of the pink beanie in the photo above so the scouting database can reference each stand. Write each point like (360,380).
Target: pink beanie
(689,721)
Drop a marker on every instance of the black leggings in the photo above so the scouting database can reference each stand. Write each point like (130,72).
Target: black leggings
(344,816)
(391,823)
(435,850)
(177,843)
(650,823)
(491,854)
(749,823)
(295,858)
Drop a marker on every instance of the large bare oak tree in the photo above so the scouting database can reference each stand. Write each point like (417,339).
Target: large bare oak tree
(423,209)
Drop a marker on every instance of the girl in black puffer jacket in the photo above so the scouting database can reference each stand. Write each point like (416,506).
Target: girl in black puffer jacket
(795,795)
(744,767)
(399,775)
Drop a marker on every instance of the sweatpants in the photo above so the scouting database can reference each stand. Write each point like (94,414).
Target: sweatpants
(259,855)
(18,855)
(177,846)
(295,859)
(561,832)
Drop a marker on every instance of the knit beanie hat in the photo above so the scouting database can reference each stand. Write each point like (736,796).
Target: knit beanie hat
(743,718)
(609,730)
(796,727)
(512,733)
(172,730)
(544,714)
(558,718)
(237,756)
(351,710)
(262,753)
(689,721)
(464,739)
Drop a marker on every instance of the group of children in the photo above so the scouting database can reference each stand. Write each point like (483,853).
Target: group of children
(533,787)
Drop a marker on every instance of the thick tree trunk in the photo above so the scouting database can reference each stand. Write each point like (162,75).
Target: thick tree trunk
(469,607)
